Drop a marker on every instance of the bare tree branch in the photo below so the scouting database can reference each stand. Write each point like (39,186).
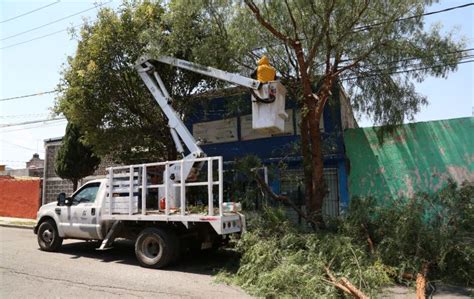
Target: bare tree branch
(293,21)
(264,23)
(324,33)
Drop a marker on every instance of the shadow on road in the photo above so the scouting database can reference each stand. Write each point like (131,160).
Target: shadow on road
(123,252)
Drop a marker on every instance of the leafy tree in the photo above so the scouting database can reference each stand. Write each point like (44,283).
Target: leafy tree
(75,160)
(376,49)
(101,90)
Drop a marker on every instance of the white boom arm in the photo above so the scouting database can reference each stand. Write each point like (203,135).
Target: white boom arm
(146,68)
(205,70)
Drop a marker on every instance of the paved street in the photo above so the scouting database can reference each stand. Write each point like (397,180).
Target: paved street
(78,270)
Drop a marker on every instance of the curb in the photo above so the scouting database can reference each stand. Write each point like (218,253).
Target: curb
(17,226)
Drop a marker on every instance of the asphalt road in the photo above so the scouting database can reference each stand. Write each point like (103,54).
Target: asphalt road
(78,270)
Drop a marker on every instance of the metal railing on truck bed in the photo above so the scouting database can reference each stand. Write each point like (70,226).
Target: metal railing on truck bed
(146,192)
(130,187)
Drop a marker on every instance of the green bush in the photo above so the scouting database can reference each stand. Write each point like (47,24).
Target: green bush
(279,259)
(433,229)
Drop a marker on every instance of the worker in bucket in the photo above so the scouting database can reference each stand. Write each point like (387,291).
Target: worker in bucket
(264,72)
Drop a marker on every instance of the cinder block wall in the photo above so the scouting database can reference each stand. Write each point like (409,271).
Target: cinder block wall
(53,184)
(20,198)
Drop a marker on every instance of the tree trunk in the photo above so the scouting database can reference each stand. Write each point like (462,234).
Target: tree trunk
(319,185)
(74,184)
(307,163)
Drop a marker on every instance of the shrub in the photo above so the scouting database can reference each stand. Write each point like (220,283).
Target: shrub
(279,259)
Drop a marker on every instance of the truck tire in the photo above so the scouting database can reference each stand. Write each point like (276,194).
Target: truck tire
(156,247)
(48,236)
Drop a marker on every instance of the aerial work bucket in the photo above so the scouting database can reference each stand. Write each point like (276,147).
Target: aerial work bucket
(268,108)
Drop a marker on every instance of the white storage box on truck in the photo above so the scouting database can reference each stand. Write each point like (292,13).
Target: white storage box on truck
(150,203)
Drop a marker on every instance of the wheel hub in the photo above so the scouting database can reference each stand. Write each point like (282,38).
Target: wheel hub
(48,236)
(151,248)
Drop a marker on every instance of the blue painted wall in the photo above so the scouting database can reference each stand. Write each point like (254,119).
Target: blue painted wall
(271,150)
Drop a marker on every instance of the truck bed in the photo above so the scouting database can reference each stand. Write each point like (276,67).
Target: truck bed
(127,185)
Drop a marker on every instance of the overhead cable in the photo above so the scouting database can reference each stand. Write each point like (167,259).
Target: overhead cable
(55,21)
(25,115)
(29,95)
(52,124)
(20,146)
(39,37)
(29,12)
(366,27)
(376,73)
(31,122)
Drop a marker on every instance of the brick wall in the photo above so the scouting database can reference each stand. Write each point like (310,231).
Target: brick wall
(20,197)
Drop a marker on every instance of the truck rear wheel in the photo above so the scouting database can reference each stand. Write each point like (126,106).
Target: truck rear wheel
(48,236)
(156,247)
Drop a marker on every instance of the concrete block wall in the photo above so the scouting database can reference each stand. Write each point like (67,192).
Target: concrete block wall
(53,184)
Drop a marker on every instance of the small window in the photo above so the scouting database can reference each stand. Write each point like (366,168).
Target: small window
(87,193)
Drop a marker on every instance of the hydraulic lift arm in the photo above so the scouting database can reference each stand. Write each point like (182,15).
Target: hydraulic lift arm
(147,69)
(264,116)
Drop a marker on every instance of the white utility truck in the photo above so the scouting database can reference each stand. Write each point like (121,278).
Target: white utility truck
(164,206)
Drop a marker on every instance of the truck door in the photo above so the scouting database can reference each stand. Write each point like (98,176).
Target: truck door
(80,220)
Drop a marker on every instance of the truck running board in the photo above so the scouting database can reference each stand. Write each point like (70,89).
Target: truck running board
(109,239)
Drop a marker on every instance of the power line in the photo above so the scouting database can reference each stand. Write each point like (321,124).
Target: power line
(29,95)
(383,63)
(416,58)
(35,127)
(55,21)
(31,122)
(24,115)
(29,12)
(373,74)
(366,27)
(39,37)
(21,146)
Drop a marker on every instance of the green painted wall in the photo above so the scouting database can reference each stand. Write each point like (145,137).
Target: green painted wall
(417,157)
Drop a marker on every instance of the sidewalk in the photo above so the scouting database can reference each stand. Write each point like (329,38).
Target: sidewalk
(17,222)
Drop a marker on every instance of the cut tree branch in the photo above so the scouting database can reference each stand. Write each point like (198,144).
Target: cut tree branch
(421,281)
(345,285)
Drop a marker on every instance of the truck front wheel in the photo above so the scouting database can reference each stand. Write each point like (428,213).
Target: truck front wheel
(48,236)
(156,248)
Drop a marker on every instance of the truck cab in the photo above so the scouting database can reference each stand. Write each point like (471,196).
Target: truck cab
(77,216)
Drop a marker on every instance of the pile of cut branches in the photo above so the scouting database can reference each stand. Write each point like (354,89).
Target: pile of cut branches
(376,243)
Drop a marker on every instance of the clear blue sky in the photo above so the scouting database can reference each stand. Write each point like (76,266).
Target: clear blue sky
(35,67)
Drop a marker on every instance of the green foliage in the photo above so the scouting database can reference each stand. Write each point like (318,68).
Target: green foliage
(241,182)
(436,229)
(101,90)
(75,160)
(279,259)
(344,31)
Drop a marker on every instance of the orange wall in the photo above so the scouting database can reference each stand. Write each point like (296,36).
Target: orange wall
(19,197)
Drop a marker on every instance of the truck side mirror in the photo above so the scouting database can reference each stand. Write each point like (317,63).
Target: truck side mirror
(61,199)
(68,201)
